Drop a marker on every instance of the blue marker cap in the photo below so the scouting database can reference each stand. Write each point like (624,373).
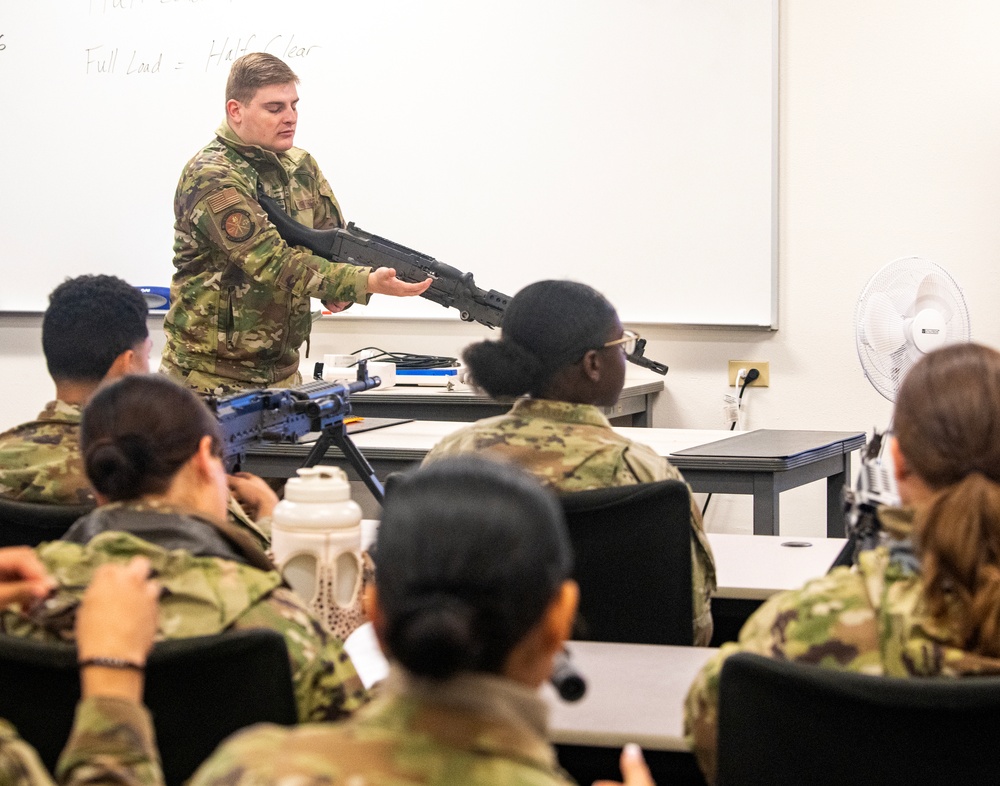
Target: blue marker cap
(157,298)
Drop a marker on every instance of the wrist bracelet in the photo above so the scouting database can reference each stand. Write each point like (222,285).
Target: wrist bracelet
(112,663)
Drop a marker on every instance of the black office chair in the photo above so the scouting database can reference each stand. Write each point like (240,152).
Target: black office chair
(199,690)
(632,551)
(782,722)
(31,523)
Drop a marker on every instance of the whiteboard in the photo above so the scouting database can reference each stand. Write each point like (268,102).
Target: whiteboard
(629,144)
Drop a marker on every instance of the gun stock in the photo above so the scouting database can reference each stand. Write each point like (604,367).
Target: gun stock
(450,287)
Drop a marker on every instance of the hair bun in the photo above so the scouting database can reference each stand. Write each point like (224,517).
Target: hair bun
(117,465)
(436,636)
(503,368)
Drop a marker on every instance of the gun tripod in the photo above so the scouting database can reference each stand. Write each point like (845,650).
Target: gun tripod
(337,435)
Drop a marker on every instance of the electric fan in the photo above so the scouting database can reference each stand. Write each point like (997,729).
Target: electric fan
(908,308)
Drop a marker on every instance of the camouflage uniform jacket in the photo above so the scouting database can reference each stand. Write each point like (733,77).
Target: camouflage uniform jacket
(572,447)
(40,461)
(869,619)
(240,296)
(111,743)
(203,595)
(472,730)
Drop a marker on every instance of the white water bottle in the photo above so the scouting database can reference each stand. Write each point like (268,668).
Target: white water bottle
(316,542)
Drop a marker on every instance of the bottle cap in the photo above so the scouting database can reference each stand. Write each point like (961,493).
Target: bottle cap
(318,484)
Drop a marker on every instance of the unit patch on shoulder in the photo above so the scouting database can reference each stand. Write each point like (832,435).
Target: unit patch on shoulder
(238,225)
(220,200)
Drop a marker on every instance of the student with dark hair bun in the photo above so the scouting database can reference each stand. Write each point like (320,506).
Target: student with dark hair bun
(472,600)
(561,354)
(447,603)
(152,451)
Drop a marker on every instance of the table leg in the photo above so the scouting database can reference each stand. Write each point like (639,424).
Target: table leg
(644,419)
(834,500)
(765,504)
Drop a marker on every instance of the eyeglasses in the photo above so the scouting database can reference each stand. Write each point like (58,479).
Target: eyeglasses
(627,341)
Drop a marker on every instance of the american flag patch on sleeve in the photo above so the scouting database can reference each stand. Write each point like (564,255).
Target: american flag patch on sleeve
(220,200)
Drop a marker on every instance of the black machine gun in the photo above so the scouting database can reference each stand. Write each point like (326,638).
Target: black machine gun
(288,414)
(450,287)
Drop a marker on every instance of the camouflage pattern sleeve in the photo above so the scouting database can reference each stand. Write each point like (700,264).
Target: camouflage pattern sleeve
(19,762)
(40,461)
(830,622)
(260,531)
(220,205)
(112,742)
(327,686)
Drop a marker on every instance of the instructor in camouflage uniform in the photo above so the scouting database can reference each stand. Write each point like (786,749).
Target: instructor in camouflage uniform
(563,348)
(240,296)
(928,603)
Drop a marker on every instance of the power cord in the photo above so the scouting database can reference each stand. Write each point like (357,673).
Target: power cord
(749,377)
(401,359)
(410,361)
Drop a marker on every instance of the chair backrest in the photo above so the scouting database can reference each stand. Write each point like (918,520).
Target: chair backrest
(31,523)
(782,722)
(632,556)
(199,690)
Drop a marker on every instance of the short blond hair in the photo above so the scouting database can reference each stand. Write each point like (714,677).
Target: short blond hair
(253,71)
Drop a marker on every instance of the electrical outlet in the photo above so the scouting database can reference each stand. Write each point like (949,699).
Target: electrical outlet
(763,381)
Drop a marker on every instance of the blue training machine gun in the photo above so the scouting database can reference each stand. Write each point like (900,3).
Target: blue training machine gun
(288,414)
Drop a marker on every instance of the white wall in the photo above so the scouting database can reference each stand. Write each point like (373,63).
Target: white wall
(890,146)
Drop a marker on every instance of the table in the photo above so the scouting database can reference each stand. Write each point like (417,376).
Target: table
(634,406)
(819,455)
(755,567)
(635,693)
(766,462)
(751,568)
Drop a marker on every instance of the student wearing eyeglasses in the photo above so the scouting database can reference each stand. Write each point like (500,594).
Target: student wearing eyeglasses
(562,355)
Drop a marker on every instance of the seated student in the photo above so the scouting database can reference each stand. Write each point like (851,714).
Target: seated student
(112,737)
(94,330)
(470,639)
(563,348)
(927,604)
(151,450)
